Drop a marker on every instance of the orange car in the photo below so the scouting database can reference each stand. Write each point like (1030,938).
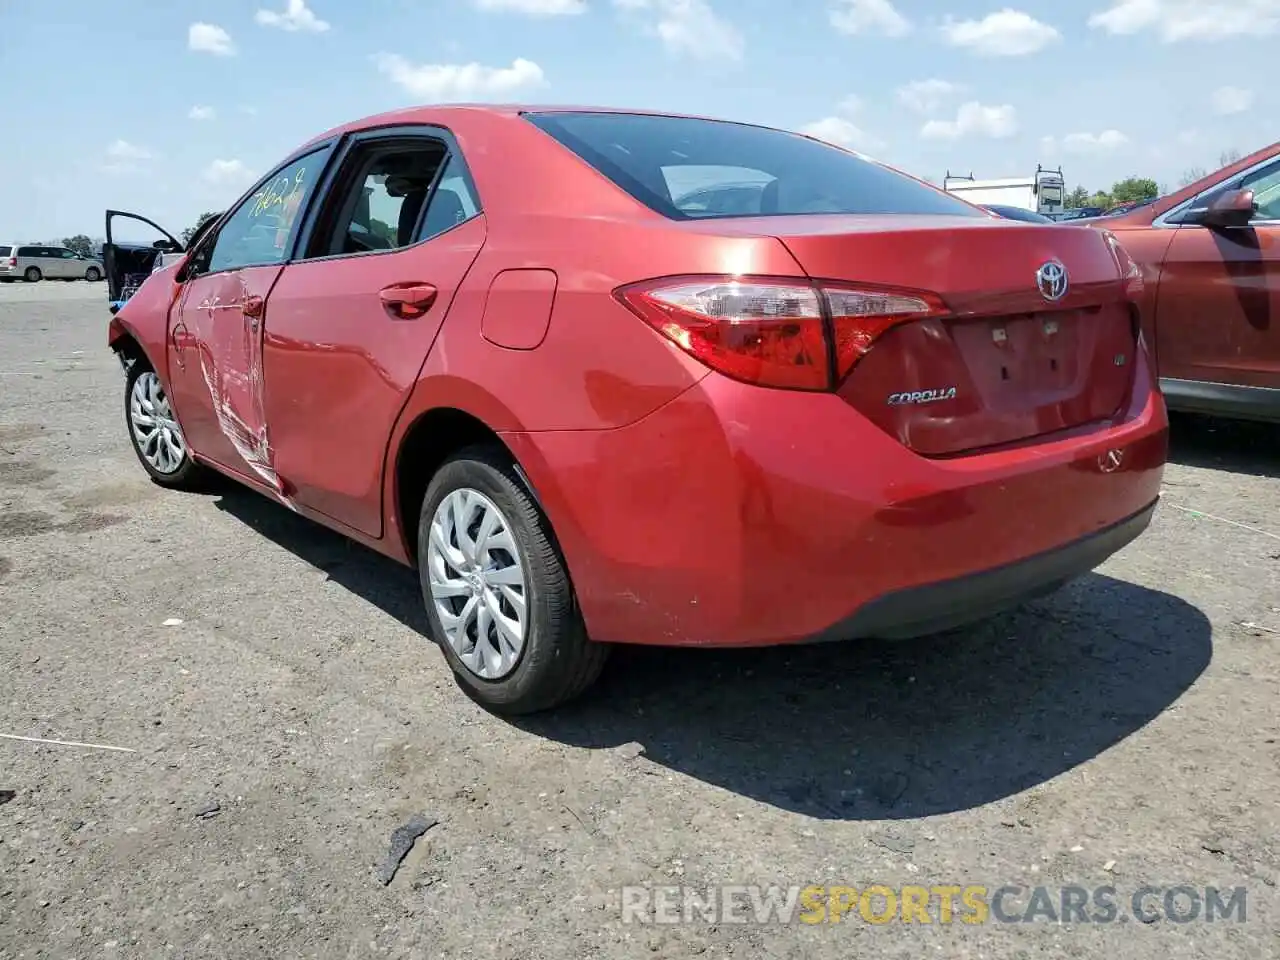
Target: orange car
(1210,258)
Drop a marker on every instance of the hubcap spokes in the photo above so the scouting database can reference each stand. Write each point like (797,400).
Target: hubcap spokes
(154,428)
(478,584)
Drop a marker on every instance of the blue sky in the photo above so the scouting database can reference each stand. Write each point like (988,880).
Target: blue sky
(171,108)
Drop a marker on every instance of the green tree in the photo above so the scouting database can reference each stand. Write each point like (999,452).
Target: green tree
(80,244)
(190,232)
(1134,188)
(1079,197)
(1100,199)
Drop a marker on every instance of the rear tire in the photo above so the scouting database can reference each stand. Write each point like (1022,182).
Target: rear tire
(480,533)
(154,432)
(33,275)
(93,274)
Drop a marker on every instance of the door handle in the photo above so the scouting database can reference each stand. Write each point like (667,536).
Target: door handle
(408,301)
(253,305)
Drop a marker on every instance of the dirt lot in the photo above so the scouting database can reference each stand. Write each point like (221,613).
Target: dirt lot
(1123,733)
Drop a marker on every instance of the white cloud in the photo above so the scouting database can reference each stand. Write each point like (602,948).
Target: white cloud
(843,132)
(229,173)
(1005,33)
(1105,142)
(869,16)
(1229,100)
(124,150)
(534,8)
(297,17)
(125,157)
(1176,20)
(926,96)
(202,113)
(974,119)
(849,106)
(210,38)
(458,81)
(690,27)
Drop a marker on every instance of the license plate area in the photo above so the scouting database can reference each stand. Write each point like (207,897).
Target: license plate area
(1022,354)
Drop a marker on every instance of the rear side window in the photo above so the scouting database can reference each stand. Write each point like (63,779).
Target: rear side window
(28,251)
(689,169)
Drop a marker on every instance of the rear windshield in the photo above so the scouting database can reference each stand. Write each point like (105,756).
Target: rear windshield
(690,169)
(6,251)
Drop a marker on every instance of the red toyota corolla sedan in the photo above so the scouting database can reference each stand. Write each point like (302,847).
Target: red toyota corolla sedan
(614,377)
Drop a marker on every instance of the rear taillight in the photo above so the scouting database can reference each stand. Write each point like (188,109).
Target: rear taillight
(792,334)
(13,261)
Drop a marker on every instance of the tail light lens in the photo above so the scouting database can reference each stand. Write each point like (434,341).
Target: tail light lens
(13,261)
(790,334)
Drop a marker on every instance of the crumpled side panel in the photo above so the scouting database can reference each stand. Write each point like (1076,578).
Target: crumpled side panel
(230,351)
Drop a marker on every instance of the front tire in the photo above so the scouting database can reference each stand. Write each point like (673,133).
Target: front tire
(498,597)
(154,432)
(93,274)
(32,275)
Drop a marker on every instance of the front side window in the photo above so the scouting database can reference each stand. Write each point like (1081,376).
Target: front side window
(261,230)
(67,254)
(1264,182)
(689,169)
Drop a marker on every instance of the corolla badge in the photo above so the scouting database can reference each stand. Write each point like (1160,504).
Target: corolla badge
(1052,281)
(921,396)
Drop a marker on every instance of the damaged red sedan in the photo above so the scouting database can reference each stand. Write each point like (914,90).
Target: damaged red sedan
(613,377)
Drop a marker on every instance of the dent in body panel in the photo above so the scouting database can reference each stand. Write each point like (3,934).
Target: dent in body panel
(229,348)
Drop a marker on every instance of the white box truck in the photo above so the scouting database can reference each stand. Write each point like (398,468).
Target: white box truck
(1042,192)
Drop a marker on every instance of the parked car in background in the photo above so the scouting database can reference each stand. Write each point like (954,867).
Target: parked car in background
(502,345)
(1015,213)
(34,262)
(1210,258)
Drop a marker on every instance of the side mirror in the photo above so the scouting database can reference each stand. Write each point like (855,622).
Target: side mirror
(165,246)
(1235,208)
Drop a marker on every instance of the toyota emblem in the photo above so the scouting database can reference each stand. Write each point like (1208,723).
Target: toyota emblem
(1110,461)
(1051,278)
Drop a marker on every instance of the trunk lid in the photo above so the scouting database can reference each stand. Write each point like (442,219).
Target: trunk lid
(1007,363)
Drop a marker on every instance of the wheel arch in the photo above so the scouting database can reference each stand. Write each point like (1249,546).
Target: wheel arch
(431,437)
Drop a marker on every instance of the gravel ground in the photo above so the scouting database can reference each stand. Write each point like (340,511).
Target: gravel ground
(286,716)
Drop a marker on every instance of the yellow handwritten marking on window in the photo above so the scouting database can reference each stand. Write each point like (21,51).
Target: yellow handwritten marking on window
(279,193)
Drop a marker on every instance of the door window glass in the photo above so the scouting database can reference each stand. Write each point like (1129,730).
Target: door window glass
(67,254)
(262,228)
(384,189)
(1265,184)
(452,203)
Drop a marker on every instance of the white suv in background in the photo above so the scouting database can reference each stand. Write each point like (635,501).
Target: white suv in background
(33,262)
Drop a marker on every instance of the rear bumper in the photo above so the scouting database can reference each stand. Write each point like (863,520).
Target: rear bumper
(737,516)
(934,607)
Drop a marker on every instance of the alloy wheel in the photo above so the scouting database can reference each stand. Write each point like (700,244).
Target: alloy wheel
(155,430)
(478,583)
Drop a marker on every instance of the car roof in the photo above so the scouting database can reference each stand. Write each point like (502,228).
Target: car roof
(445,114)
